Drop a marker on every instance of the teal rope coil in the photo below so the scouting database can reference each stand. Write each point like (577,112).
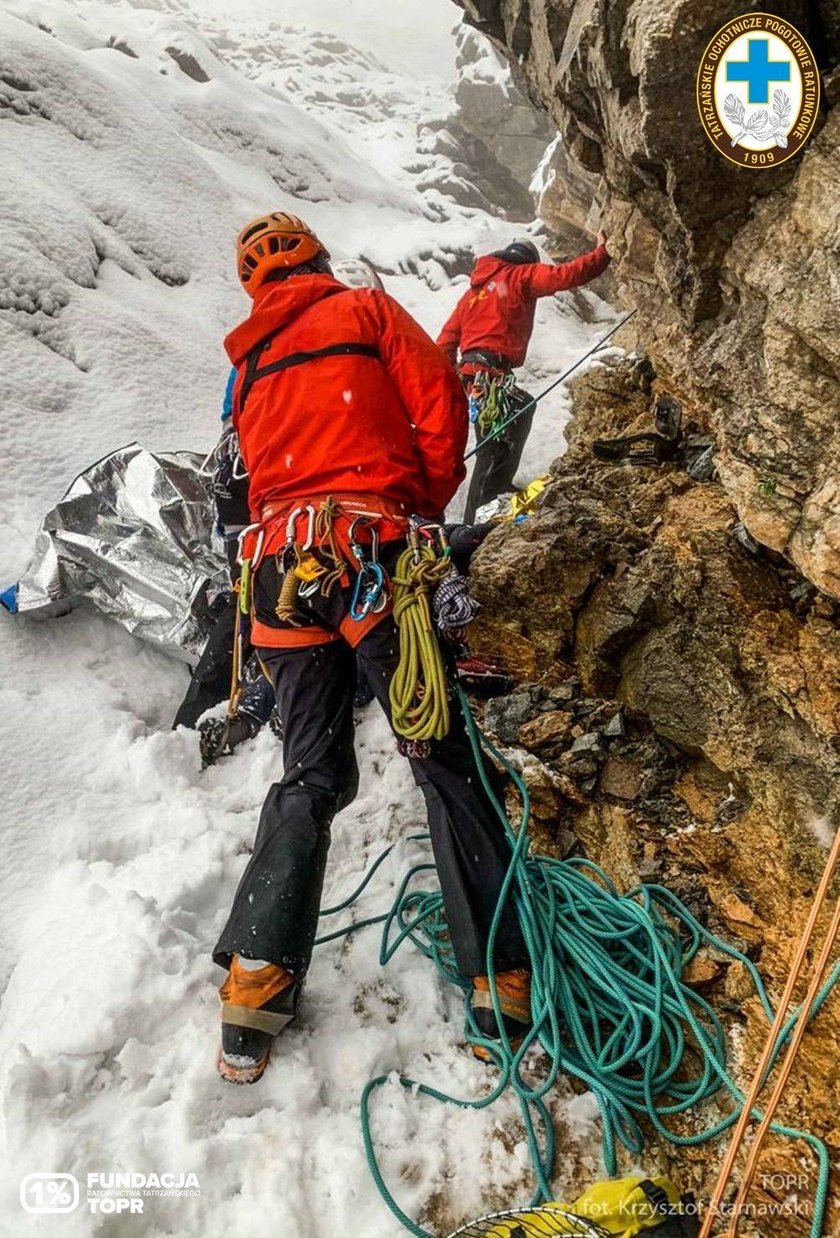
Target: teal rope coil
(608,1002)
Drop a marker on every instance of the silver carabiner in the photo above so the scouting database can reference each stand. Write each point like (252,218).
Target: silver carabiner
(291,523)
(310,530)
(256,557)
(237,459)
(249,528)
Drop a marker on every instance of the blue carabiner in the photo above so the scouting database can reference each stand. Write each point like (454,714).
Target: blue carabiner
(368,592)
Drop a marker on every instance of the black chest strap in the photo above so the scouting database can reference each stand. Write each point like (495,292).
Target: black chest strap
(254,371)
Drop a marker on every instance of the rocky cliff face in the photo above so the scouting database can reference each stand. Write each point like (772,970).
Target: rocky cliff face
(675,644)
(736,274)
(677,715)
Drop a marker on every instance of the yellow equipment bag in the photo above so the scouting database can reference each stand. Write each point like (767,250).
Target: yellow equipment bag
(524,502)
(631,1206)
(618,1207)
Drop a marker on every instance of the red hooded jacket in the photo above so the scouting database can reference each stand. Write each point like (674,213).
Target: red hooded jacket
(385,416)
(496,313)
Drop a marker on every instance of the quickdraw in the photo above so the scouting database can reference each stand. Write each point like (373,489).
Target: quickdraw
(297,565)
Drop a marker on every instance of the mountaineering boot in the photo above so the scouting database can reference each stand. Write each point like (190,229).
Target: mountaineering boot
(514,992)
(259,999)
(219,736)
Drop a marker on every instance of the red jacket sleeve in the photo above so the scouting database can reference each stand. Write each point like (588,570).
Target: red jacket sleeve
(541,280)
(433,397)
(450,335)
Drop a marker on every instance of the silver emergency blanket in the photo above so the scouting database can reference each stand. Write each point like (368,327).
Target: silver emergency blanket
(134,538)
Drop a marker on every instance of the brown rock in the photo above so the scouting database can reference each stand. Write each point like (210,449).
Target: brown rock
(621,777)
(544,790)
(738,912)
(702,971)
(548,733)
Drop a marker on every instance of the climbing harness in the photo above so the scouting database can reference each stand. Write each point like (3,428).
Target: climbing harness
(609,1003)
(419,693)
(318,547)
(532,404)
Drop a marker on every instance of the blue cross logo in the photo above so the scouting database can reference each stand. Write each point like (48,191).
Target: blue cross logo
(758,70)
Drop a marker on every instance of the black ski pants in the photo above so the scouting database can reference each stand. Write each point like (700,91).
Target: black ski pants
(496,463)
(275,909)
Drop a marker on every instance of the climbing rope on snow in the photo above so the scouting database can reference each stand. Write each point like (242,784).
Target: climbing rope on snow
(609,1003)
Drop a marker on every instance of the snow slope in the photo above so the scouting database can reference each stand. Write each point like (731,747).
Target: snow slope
(133,147)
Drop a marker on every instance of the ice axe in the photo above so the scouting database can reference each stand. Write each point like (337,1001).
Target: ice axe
(532,404)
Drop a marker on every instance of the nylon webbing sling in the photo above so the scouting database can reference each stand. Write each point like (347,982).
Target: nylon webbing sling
(253,370)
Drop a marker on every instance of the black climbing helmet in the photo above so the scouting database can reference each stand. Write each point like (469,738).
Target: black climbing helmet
(520,250)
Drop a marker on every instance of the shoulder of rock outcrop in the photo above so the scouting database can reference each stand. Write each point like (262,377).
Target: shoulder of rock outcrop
(494,110)
(632,579)
(735,273)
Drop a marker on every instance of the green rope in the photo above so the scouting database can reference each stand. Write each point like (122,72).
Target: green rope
(608,1001)
(494,401)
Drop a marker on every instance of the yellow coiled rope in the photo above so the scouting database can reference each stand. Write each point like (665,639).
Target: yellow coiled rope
(418,691)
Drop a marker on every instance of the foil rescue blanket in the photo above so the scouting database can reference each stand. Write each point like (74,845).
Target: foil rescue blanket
(134,538)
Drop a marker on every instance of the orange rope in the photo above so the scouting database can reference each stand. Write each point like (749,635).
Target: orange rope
(773,1035)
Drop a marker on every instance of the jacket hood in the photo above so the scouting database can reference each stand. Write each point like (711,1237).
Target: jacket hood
(488,268)
(275,305)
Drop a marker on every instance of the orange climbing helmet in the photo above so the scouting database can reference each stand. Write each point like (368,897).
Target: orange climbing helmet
(273,242)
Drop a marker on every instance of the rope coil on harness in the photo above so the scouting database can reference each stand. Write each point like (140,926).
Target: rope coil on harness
(419,693)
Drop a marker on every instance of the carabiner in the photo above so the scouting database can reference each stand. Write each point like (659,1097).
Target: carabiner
(368,592)
(249,528)
(236,458)
(291,524)
(310,530)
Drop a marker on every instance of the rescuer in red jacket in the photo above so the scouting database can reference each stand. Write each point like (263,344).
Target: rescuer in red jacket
(490,328)
(349,419)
